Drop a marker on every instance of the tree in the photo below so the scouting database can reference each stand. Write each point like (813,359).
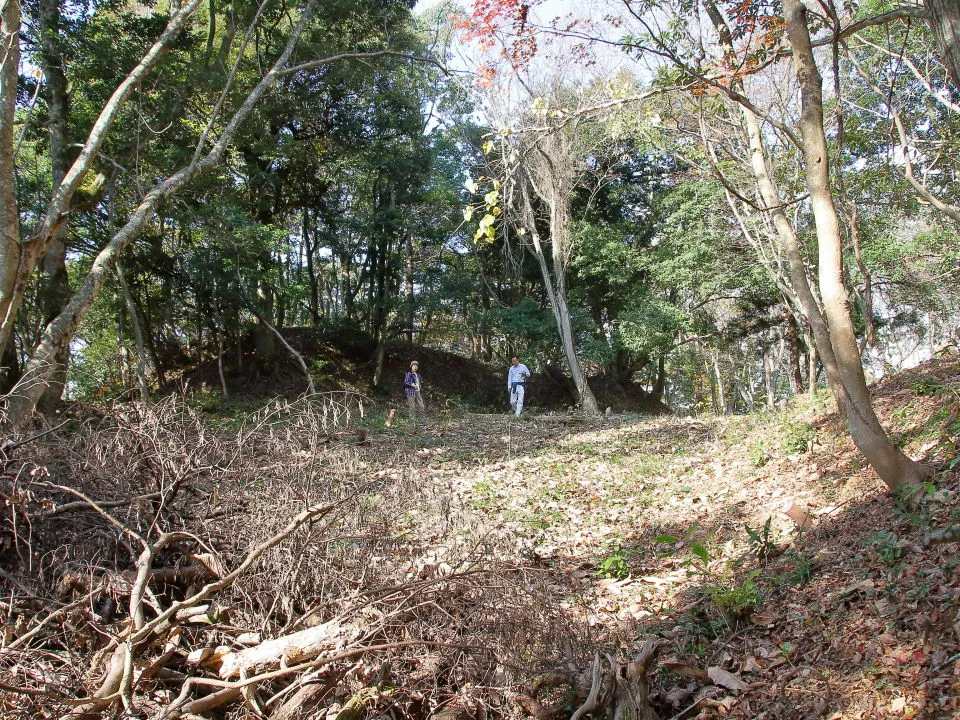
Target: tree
(945,24)
(895,468)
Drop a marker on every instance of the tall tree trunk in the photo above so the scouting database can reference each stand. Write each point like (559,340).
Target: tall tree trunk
(378,281)
(10,245)
(895,468)
(309,249)
(558,304)
(720,402)
(55,288)
(770,194)
(945,24)
(559,242)
(137,334)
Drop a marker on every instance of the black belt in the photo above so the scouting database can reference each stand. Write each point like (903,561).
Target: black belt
(513,386)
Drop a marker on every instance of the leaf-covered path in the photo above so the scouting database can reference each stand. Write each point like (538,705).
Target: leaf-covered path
(481,566)
(785,580)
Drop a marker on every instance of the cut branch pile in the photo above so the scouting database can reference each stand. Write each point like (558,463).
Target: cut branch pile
(161,568)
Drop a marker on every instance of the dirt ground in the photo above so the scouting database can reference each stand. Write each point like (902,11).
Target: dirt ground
(485,562)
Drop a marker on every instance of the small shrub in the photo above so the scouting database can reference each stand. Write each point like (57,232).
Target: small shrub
(736,601)
(760,456)
(925,387)
(801,573)
(886,546)
(798,436)
(762,546)
(616,565)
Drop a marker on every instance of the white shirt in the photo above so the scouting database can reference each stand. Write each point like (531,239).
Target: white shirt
(517,373)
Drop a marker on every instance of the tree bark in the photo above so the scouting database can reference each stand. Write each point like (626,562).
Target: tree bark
(894,468)
(11,255)
(770,194)
(945,24)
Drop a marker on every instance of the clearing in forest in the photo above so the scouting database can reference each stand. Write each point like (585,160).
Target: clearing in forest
(486,566)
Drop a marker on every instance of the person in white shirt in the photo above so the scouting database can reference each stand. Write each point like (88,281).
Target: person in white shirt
(516,381)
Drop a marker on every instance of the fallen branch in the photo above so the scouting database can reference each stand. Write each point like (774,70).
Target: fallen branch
(178,706)
(288,649)
(311,514)
(55,615)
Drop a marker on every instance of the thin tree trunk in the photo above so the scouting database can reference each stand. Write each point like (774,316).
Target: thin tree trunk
(378,287)
(812,363)
(220,371)
(895,468)
(309,249)
(137,334)
(558,304)
(768,378)
(55,287)
(721,393)
(408,288)
(11,256)
(770,194)
(559,242)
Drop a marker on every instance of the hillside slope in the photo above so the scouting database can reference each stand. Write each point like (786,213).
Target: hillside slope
(758,548)
(345,360)
(488,567)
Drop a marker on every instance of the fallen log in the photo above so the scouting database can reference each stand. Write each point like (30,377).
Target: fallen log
(302,704)
(287,650)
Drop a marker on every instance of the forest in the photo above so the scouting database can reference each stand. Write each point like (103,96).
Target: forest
(722,235)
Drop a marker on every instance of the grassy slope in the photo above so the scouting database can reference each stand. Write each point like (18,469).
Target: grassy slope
(638,527)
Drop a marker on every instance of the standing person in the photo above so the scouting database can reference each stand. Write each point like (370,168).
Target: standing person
(516,380)
(412,384)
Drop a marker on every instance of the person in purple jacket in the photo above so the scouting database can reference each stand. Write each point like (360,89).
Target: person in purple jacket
(412,384)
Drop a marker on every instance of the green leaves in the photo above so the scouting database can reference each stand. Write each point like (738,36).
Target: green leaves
(701,552)
(485,232)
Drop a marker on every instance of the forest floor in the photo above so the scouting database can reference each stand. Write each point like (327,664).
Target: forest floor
(787,582)
(489,560)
